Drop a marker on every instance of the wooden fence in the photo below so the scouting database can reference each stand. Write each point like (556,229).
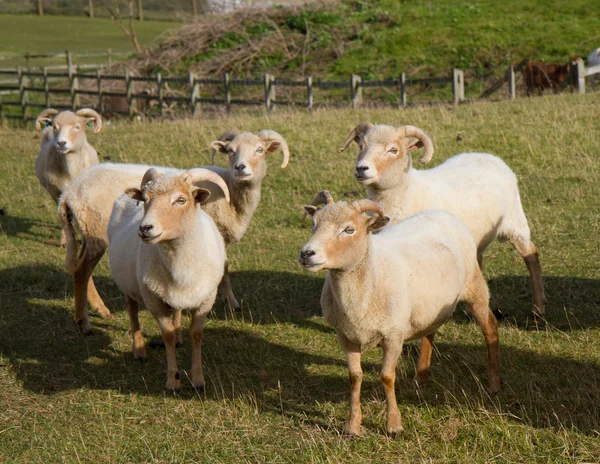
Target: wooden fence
(67,56)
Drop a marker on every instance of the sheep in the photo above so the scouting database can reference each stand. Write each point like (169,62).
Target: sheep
(393,287)
(168,255)
(478,188)
(64,149)
(593,60)
(86,206)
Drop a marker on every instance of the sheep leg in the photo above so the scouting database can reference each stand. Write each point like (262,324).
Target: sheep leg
(81,278)
(391,352)
(139,346)
(478,306)
(96,301)
(226,290)
(196,331)
(177,324)
(424,366)
(530,255)
(355,374)
(169,336)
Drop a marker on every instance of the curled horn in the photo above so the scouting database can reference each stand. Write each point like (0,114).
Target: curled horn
(90,113)
(150,175)
(322,198)
(43,116)
(362,206)
(225,137)
(357,132)
(412,131)
(272,136)
(205,175)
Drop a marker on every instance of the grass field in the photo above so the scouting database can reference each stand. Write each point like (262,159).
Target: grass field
(276,379)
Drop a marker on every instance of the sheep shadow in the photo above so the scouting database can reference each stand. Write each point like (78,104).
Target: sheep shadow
(35,230)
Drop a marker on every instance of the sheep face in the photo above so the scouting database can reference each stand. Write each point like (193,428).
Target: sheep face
(383,152)
(170,203)
(340,236)
(67,128)
(246,156)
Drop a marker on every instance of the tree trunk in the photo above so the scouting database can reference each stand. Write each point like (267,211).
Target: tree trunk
(41,7)
(91,8)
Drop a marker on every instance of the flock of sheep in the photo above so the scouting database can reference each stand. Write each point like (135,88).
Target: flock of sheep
(398,262)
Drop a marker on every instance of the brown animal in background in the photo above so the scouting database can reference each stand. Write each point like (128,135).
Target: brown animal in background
(539,76)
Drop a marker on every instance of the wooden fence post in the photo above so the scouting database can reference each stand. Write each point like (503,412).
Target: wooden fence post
(109,56)
(355,90)
(40,7)
(159,92)
(227,91)
(73,87)
(194,94)
(69,61)
(194,9)
(2,121)
(99,85)
(140,10)
(309,93)
(46,87)
(269,82)
(129,86)
(458,86)
(512,84)
(22,94)
(403,100)
(580,77)
(91,8)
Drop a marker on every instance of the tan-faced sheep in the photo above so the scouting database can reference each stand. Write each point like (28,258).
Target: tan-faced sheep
(168,255)
(86,206)
(478,188)
(64,149)
(398,285)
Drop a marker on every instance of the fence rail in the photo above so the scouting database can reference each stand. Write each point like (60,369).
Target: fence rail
(195,93)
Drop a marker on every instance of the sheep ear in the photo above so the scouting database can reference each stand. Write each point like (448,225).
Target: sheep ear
(201,195)
(135,194)
(272,146)
(310,209)
(219,146)
(377,222)
(413,144)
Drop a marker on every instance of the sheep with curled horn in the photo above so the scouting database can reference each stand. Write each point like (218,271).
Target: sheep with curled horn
(477,188)
(169,256)
(64,149)
(392,287)
(86,206)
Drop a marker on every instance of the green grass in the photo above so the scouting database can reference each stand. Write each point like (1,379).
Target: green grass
(276,379)
(20,34)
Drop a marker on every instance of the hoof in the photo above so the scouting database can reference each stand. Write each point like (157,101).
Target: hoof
(394,431)
(351,431)
(104,312)
(141,358)
(84,327)
(201,388)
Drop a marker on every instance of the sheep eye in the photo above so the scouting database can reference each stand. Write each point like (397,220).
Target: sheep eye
(260,150)
(393,151)
(77,127)
(349,230)
(181,201)
(230,152)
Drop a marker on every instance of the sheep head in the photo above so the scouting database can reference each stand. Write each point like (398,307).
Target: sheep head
(247,151)
(170,202)
(382,146)
(340,233)
(67,127)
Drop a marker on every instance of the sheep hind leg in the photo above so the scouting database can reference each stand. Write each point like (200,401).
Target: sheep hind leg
(424,366)
(226,290)
(81,278)
(139,346)
(355,375)
(530,255)
(96,301)
(478,306)
(391,352)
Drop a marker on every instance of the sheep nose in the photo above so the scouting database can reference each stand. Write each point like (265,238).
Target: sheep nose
(361,169)
(61,143)
(144,229)
(305,254)
(240,167)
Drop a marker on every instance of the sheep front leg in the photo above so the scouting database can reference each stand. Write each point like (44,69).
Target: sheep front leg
(169,336)
(226,290)
(177,325)
(391,352)
(196,331)
(139,346)
(424,366)
(355,374)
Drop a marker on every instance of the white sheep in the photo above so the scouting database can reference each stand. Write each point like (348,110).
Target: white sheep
(478,188)
(393,287)
(168,255)
(593,60)
(86,206)
(64,149)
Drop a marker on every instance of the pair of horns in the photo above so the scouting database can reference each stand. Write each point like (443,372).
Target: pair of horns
(48,114)
(190,176)
(265,135)
(423,139)
(362,206)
